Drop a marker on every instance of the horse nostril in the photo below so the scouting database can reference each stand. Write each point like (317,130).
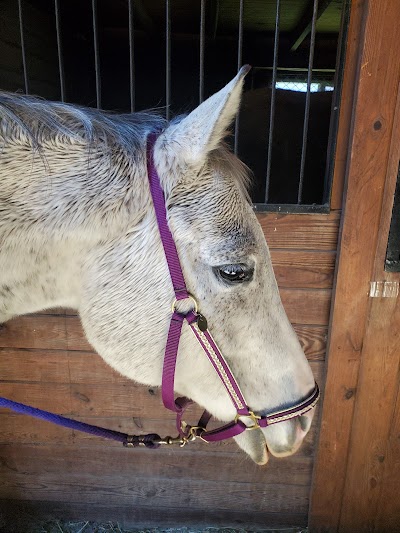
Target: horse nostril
(305,422)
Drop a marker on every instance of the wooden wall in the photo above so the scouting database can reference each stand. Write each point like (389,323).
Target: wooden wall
(356,485)
(46,361)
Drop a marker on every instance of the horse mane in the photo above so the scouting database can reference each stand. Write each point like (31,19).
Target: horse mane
(35,122)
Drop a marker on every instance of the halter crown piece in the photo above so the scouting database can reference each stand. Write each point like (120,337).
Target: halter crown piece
(245,419)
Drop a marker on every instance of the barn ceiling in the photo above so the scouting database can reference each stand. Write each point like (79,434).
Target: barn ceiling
(259,15)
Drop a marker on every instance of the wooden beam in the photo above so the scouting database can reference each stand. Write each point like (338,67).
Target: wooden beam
(347,99)
(303,28)
(355,456)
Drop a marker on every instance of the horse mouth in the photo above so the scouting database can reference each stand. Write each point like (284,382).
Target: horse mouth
(281,441)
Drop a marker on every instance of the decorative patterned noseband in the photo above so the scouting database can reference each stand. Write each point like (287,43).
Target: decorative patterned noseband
(245,418)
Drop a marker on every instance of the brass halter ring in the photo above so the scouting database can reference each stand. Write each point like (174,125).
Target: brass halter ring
(253,417)
(191,298)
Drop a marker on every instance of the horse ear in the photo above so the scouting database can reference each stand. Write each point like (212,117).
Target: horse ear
(203,129)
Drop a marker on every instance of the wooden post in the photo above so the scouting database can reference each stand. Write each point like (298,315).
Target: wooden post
(356,479)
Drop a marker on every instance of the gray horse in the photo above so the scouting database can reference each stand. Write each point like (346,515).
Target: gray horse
(78,229)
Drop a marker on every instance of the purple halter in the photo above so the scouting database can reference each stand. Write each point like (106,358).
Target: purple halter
(245,418)
(198,325)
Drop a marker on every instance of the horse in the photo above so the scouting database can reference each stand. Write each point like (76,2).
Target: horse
(78,229)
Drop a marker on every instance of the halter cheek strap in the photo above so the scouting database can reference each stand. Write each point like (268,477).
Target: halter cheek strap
(245,418)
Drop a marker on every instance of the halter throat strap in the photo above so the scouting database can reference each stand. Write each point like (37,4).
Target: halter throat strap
(245,419)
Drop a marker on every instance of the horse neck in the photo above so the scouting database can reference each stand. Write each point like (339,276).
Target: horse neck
(73,191)
(62,211)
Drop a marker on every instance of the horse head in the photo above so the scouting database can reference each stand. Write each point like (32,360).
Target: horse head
(227,267)
(79,230)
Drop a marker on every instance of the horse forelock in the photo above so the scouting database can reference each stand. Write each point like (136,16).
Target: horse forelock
(225,163)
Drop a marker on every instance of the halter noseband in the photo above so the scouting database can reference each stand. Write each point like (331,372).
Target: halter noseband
(245,418)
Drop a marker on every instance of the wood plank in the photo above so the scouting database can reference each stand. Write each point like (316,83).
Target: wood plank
(372,459)
(347,100)
(155,492)
(308,306)
(387,509)
(370,454)
(371,141)
(313,341)
(19,513)
(168,463)
(303,269)
(301,232)
(33,331)
(50,366)
(108,399)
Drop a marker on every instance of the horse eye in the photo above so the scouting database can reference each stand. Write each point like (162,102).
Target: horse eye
(235,273)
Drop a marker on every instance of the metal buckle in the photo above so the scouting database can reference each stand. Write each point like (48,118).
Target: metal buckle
(171,441)
(191,436)
(191,432)
(253,417)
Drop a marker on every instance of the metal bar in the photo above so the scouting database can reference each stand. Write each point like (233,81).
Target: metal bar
(167,58)
(303,28)
(239,64)
(272,106)
(131,57)
(96,53)
(59,49)
(23,51)
(308,99)
(202,47)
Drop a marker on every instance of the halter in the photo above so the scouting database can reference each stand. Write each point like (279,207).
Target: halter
(245,419)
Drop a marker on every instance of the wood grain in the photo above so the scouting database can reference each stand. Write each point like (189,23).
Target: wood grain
(347,100)
(301,232)
(303,269)
(168,463)
(371,458)
(154,492)
(304,306)
(348,469)
(373,462)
